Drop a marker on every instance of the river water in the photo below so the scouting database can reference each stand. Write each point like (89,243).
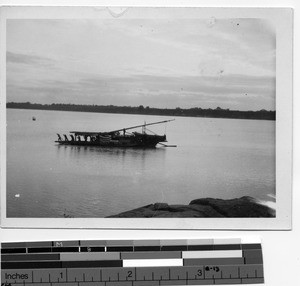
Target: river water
(218,158)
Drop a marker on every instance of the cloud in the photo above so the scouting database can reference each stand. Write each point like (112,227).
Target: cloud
(157,62)
(241,40)
(17,58)
(229,91)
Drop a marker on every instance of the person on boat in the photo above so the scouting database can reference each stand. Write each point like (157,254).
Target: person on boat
(66,138)
(78,137)
(59,138)
(72,137)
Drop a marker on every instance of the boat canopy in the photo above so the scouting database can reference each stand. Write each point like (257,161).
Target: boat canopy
(80,133)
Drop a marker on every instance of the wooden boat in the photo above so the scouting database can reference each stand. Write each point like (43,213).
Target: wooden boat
(116,138)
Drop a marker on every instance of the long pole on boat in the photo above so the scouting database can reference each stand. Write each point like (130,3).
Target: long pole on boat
(137,126)
(165,145)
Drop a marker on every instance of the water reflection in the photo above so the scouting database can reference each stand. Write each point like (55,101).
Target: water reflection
(75,150)
(123,155)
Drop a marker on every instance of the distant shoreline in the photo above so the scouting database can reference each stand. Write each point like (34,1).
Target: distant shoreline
(141,110)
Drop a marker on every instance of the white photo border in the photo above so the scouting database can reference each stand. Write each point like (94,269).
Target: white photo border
(282,18)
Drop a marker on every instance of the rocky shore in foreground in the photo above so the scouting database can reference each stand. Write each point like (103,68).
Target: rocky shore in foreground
(208,207)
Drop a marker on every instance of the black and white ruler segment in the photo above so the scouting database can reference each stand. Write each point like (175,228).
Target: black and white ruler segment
(131,262)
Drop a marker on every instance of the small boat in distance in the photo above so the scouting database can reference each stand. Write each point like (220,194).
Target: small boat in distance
(116,138)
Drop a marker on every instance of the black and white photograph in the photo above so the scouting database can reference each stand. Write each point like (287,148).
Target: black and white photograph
(147,113)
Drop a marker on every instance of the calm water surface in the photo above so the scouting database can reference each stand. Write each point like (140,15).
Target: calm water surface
(219,158)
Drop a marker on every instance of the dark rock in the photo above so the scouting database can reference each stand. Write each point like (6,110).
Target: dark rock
(240,207)
(208,207)
(161,206)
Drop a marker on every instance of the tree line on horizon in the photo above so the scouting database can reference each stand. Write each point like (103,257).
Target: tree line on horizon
(191,112)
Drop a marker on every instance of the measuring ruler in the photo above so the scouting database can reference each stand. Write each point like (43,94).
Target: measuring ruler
(131,263)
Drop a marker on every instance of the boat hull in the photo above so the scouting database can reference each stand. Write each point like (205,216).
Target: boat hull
(138,140)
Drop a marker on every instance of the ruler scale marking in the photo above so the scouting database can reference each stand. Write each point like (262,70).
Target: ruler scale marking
(130,262)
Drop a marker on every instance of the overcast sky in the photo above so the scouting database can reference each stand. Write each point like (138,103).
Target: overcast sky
(164,63)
